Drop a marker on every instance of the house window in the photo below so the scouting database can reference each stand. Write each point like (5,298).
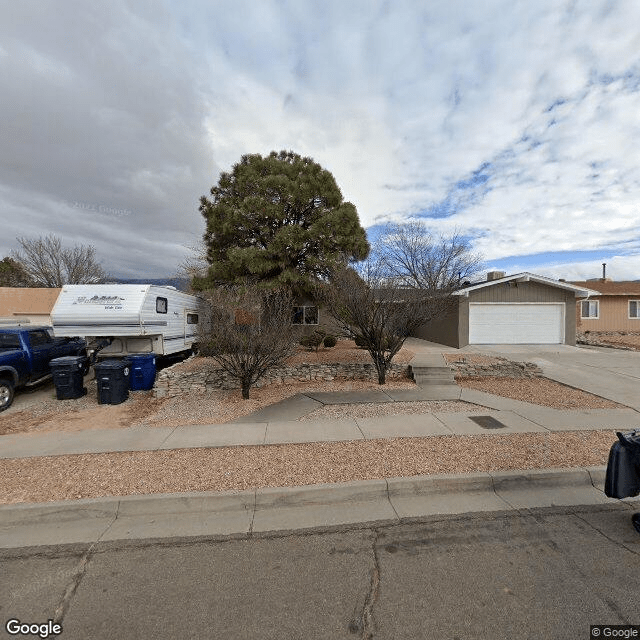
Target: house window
(305,315)
(192,318)
(590,309)
(634,308)
(161,305)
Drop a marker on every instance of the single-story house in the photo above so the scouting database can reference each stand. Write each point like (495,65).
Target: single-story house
(617,307)
(27,304)
(519,309)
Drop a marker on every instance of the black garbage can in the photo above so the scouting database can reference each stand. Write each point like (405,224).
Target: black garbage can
(112,377)
(68,375)
(622,479)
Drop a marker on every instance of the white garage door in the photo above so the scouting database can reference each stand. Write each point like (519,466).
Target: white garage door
(504,323)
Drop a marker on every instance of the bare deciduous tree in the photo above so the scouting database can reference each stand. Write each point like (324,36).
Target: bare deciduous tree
(249,333)
(194,265)
(412,254)
(49,264)
(407,281)
(380,312)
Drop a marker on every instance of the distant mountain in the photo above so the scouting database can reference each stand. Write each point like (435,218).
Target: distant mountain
(182,284)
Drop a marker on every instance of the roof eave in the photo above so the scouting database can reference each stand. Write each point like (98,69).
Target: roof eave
(579,292)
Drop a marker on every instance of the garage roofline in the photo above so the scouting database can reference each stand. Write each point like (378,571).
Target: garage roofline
(525,276)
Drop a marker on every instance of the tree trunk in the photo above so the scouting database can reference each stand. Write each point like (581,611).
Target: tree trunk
(381,369)
(246,385)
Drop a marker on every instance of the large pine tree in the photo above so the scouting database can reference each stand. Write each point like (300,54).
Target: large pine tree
(280,221)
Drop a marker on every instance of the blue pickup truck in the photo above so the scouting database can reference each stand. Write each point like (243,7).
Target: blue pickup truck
(25,353)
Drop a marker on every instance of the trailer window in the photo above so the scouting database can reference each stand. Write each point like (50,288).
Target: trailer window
(192,318)
(161,305)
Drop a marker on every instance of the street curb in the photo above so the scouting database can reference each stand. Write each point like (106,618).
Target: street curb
(273,510)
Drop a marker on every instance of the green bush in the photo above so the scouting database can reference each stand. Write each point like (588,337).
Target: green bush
(329,342)
(360,342)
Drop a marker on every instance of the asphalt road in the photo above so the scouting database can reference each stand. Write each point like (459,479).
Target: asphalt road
(541,574)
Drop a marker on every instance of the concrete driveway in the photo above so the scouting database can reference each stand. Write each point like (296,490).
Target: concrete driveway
(610,373)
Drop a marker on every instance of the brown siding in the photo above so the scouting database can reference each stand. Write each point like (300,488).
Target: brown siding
(454,329)
(613,316)
(519,292)
(463,322)
(444,330)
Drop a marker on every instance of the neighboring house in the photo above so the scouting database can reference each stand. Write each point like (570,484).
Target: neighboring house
(25,304)
(617,307)
(519,309)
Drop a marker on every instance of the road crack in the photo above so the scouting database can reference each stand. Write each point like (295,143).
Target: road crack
(365,622)
(72,587)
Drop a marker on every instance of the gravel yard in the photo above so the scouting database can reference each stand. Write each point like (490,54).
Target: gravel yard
(374,410)
(238,468)
(541,391)
(69,477)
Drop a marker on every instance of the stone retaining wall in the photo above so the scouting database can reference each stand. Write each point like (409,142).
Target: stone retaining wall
(594,339)
(172,381)
(503,369)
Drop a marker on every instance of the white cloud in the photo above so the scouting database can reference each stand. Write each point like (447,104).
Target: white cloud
(139,106)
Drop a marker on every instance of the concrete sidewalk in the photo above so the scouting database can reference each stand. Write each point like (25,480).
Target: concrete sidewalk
(247,513)
(510,416)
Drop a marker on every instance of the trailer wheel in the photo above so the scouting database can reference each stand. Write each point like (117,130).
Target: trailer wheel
(6,394)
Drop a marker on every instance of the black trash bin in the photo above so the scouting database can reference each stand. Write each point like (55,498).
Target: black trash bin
(68,376)
(622,479)
(112,377)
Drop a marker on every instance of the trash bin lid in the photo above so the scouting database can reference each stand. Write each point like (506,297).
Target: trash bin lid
(141,357)
(67,361)
(111,364)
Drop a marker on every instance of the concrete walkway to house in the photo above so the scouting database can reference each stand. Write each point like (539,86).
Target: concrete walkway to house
(387,499)
(282,427)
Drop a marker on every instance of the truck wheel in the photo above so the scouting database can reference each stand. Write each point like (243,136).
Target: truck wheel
(6,394)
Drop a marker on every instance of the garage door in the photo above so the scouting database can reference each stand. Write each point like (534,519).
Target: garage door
(504,323)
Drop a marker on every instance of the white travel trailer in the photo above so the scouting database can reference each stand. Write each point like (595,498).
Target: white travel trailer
(128,318)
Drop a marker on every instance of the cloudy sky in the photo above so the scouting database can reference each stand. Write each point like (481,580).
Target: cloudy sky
(513,122)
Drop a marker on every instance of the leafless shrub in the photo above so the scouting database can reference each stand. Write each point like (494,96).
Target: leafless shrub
(250,332)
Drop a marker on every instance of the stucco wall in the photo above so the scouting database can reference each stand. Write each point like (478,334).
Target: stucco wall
(27,302)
